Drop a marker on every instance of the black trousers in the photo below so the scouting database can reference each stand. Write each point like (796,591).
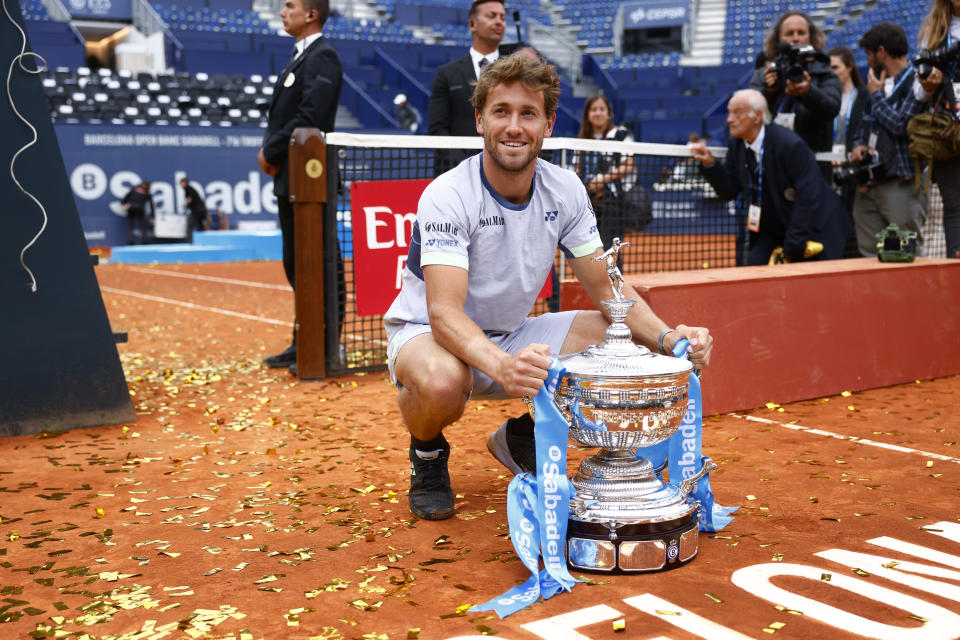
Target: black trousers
(288,235)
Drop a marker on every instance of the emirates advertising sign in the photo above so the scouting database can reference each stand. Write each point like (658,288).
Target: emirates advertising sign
(382,215)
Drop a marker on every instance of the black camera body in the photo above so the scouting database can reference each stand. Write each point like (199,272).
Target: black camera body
(896,245)
(864,172)
(927,59)
(793,60)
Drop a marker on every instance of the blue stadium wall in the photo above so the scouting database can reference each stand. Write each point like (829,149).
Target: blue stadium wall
(103,162)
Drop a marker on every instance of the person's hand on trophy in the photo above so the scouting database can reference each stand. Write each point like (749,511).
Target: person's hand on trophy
(522,374)
(701,343)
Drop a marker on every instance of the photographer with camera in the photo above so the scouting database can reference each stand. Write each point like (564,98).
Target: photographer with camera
(938,72)
(801,90)
(886,193)
(852,106)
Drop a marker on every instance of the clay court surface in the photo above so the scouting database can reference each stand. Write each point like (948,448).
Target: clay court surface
(246,504)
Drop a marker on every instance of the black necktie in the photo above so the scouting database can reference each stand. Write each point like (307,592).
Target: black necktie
(483,62)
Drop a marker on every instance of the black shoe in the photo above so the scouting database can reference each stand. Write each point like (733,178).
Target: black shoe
(293,370)
(516,452)
(431,497)
(285,359)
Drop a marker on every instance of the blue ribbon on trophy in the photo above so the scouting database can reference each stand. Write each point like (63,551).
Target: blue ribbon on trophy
(538,509)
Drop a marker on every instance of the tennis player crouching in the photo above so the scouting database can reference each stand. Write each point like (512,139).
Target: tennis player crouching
(482,247)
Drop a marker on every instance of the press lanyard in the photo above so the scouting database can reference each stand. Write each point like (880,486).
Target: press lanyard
(759,198)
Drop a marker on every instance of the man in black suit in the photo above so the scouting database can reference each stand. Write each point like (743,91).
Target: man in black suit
(196,208)
(450,112)
(793,213)
(306,94)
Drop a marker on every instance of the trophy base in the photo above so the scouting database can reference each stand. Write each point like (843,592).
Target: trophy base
(637,547)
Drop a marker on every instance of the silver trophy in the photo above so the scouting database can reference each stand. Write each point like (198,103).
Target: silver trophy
(623,518)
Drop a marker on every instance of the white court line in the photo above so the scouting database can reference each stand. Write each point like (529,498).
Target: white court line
(838,436)
(193,276)
(180,303)
(236,314)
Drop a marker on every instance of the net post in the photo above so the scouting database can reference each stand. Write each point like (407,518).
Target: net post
(308,189)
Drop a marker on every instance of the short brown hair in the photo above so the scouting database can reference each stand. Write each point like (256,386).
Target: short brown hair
(535,75)
(472,13)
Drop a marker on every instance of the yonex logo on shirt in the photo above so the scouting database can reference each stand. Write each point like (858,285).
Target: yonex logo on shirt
(550,216)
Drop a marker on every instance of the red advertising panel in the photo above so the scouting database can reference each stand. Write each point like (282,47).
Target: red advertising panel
(382,217)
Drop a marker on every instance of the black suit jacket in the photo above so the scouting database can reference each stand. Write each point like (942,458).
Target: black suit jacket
(306,94)
(797,204)
(450,112)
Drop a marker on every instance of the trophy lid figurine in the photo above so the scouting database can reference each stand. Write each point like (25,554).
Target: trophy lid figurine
(621,396)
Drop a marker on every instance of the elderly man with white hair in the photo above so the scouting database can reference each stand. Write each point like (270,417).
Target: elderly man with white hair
(793,214)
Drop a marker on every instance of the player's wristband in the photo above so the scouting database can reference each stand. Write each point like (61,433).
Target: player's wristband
(663,334)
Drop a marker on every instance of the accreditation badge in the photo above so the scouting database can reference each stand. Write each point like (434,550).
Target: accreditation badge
(289,80)
(786,120)
(753,218)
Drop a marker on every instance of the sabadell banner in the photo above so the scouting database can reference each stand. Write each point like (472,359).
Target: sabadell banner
(104,162)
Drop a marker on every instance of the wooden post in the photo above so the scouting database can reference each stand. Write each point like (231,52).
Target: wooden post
(308,194)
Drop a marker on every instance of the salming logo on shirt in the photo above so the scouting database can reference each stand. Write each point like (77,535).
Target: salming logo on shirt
(550,216)
(492,221)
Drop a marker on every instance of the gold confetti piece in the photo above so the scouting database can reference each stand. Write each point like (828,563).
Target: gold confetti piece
(714,598)
(99,513)
(751,497)
(663,612)
(825,577)
(461,609)
(891,564)
(769,630)
(929,463)
(850,407)
(860,572)
(845,394)
(916,517)
(772,406)
(777,557)
(619,625)
(413,633)
(831,519)
(917,618)
(814,500)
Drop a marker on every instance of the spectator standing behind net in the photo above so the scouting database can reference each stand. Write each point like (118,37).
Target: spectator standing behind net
(196,208)
(306,94)
(450,112)
(807,107)
(138,203)
(793,214)
(484,241)
(941,28)
(607,176)
(407,116)
(887,193)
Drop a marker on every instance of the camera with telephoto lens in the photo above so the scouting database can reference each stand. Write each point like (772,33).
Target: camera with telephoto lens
(864,172)
(927,59)
(793,60)
(896,245)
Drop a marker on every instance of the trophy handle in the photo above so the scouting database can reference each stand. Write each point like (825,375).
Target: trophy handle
(688,485)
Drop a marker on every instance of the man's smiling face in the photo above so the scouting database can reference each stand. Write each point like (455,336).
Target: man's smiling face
(513,125)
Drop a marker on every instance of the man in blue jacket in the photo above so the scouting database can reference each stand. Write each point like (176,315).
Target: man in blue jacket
(793,214)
